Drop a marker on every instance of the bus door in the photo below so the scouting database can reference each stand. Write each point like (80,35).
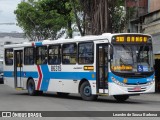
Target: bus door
(18,60)
(102,68)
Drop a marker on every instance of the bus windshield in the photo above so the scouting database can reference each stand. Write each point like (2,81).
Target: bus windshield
(132,58)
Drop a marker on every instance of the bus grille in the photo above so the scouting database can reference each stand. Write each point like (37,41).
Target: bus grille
(136,83)
(137,89)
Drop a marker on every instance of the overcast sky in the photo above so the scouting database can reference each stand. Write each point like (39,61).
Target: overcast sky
(7,15)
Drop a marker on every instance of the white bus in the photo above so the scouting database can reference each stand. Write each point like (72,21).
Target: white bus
(109,64)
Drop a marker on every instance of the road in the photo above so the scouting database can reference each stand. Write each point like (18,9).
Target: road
(12,100)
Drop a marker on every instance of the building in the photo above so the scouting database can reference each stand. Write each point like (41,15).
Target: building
(154,5)
(140,6)
(146,19)
(135,9)
(9,38)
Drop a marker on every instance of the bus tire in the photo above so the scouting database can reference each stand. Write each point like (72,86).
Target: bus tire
(31,88)
(86,92)
(61,94)
(121,98)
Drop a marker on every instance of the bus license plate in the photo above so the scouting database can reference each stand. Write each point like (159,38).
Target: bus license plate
(137,88)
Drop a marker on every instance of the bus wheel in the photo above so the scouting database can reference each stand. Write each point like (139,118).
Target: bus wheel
(86,92)
(62,94)
(31,88)
(121,98)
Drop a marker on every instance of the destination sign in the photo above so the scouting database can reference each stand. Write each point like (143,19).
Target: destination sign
(122,67)
(131,39)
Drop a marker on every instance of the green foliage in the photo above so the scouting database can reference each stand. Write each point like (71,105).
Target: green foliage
(117,15)
(103,16)
(44,18)
(25,14)
(79,16)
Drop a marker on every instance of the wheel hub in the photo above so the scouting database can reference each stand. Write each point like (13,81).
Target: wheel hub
(87,91)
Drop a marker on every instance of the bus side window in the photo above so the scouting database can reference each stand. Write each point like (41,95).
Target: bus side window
(69,55)
(54,54)
(29,55)
(9,56)
(85,53)
(44,60)
(41,55)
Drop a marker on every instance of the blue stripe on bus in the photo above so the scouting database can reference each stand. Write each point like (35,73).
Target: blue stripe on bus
(45,77)
(23,74)
(8,74)
(55,75)
(31,74)
(38,43)
(131,80)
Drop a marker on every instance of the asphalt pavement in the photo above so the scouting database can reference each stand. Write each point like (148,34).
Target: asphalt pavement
(13,100)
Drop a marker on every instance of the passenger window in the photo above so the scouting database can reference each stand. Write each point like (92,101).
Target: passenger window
(85,53)
(54,54)
(9,56)
(29,56)
(69,53)
(41,55)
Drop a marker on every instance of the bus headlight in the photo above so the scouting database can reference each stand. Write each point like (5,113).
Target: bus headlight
(117,82)
(150,82)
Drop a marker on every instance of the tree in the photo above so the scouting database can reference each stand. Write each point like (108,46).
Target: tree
(79,15)
(95,16)
(26,15)
(44,18)
(117,15)
(63,9)
(103,16)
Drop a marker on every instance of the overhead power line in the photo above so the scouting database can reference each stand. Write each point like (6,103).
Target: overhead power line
(7,23)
